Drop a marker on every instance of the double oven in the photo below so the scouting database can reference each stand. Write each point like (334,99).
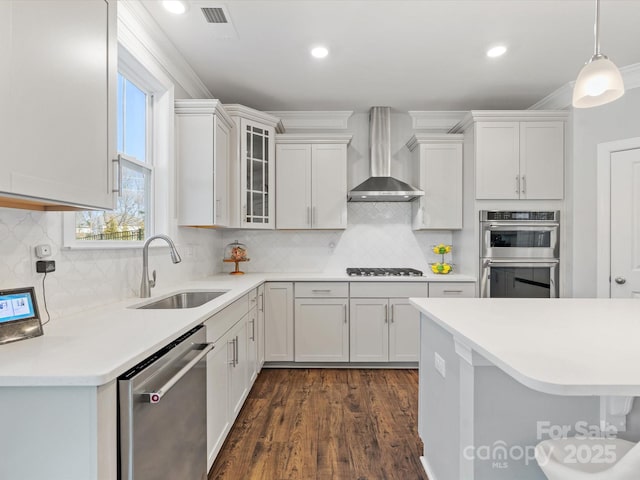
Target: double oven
(519,254)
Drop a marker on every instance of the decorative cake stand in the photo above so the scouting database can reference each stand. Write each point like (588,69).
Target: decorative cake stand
(237,262)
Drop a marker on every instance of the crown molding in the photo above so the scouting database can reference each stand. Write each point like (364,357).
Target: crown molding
(435,121)
(434,139)
(208,106)
(509,116)
(140,34)
(314,120)
(237,110)
(563,96)
(315,138)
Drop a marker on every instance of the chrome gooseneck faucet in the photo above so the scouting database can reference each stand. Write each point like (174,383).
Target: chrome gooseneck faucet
(147,283)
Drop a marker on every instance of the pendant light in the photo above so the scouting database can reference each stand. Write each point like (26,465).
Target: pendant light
(599,81)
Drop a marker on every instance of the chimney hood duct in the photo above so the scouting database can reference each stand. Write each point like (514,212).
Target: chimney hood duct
(381,186)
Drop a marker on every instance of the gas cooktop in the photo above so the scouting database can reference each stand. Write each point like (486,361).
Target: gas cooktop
(383,272)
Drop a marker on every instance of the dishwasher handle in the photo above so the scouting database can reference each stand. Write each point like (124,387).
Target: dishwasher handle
(155,397)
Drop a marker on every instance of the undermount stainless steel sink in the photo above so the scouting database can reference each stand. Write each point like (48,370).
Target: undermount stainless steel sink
(178,300)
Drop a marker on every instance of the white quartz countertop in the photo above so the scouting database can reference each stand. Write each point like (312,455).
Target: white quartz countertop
(556,346)
(96,346)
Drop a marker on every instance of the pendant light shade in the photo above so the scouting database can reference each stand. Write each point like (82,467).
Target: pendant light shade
(599,81)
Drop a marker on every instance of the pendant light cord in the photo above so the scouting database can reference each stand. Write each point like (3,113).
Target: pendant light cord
(596,28)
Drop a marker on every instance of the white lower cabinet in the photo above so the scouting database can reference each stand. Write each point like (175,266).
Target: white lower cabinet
(452,290)
(218,419)
(369,330)
(384,329)
(278,321)
(229,370)
(252,345)
(321,330)
(260,327)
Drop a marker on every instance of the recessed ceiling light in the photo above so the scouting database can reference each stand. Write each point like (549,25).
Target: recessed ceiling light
(320,52)
(496,51)
(175,6)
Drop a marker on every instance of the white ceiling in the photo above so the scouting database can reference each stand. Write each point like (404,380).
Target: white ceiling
(410,55)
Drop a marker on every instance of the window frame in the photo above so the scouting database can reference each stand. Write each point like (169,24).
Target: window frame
(159,90)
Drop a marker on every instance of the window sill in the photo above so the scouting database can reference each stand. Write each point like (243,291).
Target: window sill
(113,246)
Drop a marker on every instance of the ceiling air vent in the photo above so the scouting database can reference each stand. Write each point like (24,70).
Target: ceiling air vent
(214,15)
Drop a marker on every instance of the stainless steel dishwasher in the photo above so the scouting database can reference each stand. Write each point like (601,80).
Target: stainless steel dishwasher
(162,413)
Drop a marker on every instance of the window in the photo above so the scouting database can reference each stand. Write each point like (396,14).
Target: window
(131,219)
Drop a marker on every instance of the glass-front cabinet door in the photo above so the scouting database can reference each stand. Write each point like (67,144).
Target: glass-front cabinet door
(257,174)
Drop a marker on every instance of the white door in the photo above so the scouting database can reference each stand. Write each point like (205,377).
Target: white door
(321,330)
(329,186)
(278,322)
(404,331)
(497,160)
(239,363)
(293,186)
(252,346)
(221,173)
(217,399)
(369,324)
(625,224)
(542,160)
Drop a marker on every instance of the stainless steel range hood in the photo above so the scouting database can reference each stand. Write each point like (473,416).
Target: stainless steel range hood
(381,186)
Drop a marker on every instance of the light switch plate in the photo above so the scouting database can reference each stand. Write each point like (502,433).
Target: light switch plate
(440,365)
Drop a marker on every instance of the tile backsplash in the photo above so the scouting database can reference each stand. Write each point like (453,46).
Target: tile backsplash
(89,278)
(378,234)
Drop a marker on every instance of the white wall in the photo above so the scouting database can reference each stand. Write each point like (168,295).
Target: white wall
(615,121)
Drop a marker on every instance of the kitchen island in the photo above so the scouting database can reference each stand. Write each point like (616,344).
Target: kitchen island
(497,376)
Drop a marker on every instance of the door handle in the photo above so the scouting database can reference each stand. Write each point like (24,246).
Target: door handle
(621,280)
(345,313)
(309,216)
(261,307)
(155,397)
(518,184)
(386,314)
(391,314)
(524,184)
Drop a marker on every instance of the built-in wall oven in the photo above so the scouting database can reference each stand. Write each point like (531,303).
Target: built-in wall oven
(519,254)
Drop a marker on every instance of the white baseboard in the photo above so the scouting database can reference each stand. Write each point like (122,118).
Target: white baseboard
(427,468)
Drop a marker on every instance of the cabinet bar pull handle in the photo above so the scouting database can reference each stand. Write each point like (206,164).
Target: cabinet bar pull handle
(236,352)
(452,291)
(386,314)
(309,215)
(261,307)
(233,353)
(345,313)
(518,184)
(118,161)
(391,314)
(524,184)
(328,290)
(313,215)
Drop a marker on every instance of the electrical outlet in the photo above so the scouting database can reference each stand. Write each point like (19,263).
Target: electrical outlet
(43,251)
(440,365)
(45,266)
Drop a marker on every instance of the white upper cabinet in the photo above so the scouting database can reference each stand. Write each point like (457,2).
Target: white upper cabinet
(57,102)
(437,164)
(518,154)
(252,168)
(311,181)
(203,145)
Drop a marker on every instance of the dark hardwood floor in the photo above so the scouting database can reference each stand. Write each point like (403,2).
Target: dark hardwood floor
(325,424)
